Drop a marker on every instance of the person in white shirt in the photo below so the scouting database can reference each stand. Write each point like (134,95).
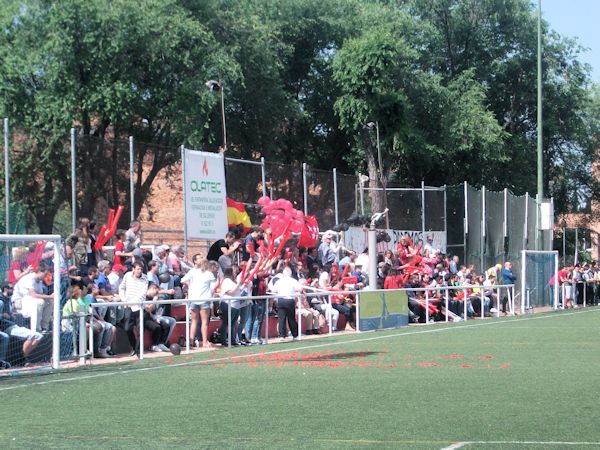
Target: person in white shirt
(30,300)
(287,288)
(322,303)
(433,251)
(230,289)
(133,288)
(201,281)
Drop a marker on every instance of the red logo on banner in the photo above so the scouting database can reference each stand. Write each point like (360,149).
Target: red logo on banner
(205,168)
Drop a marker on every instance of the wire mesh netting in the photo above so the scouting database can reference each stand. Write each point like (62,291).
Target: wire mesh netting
(347,196)
(406,208)
(516,226)
(244,181)
(321,197)
(540,268)
(27,320)
(531,223)
(455,213)
(435,211)
(285,181)
(474,233)
(494,222)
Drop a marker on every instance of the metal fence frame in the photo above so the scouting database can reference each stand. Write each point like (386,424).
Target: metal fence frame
(56,240)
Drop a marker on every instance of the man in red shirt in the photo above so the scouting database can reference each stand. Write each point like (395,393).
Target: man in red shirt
(563,278)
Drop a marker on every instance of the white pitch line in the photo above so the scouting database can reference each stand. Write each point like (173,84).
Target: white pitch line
(307,347)
(465,443)
(455,446)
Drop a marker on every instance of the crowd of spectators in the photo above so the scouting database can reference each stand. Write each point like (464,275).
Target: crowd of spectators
(317,284)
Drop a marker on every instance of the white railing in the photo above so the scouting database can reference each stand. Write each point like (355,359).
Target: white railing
(326,297)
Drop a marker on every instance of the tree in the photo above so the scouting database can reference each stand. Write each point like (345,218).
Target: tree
(431,130)
(496,42)
(113,69)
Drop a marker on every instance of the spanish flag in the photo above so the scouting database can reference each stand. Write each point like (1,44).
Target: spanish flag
(236,214)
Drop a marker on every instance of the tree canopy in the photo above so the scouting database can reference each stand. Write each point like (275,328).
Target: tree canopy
(451,84)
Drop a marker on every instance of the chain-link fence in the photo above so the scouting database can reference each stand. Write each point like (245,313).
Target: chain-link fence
(481,227)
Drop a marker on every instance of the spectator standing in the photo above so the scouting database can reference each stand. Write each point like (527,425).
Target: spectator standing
(453,266)
(78,244)
(508,277)
(230,288)
(287,288)
(226,246)
(133,288)
(326,252)
(133,239)
(255,234)
(201,281)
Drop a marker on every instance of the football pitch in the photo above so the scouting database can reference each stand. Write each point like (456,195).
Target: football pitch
(527,382)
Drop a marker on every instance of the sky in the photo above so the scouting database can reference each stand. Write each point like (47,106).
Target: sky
(577,19)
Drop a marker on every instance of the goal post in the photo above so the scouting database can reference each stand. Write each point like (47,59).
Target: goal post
(539,272)
(48,246)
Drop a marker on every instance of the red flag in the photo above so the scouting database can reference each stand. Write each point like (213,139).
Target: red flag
(310,233)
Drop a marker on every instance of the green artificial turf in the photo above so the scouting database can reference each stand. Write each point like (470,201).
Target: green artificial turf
(504,382)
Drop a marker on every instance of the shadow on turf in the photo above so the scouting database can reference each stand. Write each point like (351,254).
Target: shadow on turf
(336,356)
(290,357)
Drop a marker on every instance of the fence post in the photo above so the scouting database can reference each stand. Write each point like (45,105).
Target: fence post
(335,196)
(187,325)
(141,330)
(185,231)
(362,195)
(304,187)
(556,285)
(446,298)
(482,222)
(57,310)
(466,221)
(73,179)
(357,312)
(482,302)
(423,210)
(426,306)
(564,246)
(266,321)
(299,318)
(82,339)
(505,224)
(229,327)
(523,281)
(131,183)
(263,176)
(525,237)
(6,178)
(445,219)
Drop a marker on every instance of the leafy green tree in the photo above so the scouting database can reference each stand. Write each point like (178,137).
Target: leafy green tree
(496,42)
(430,130)
(112,69)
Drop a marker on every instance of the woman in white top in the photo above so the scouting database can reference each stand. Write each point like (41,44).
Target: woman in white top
(201,281)
(230,288)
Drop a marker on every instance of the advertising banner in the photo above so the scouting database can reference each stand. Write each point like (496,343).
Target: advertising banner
(383,309)
(205,195)
(356,239)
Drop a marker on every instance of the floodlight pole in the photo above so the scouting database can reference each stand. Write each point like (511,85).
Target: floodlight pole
(540,160)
